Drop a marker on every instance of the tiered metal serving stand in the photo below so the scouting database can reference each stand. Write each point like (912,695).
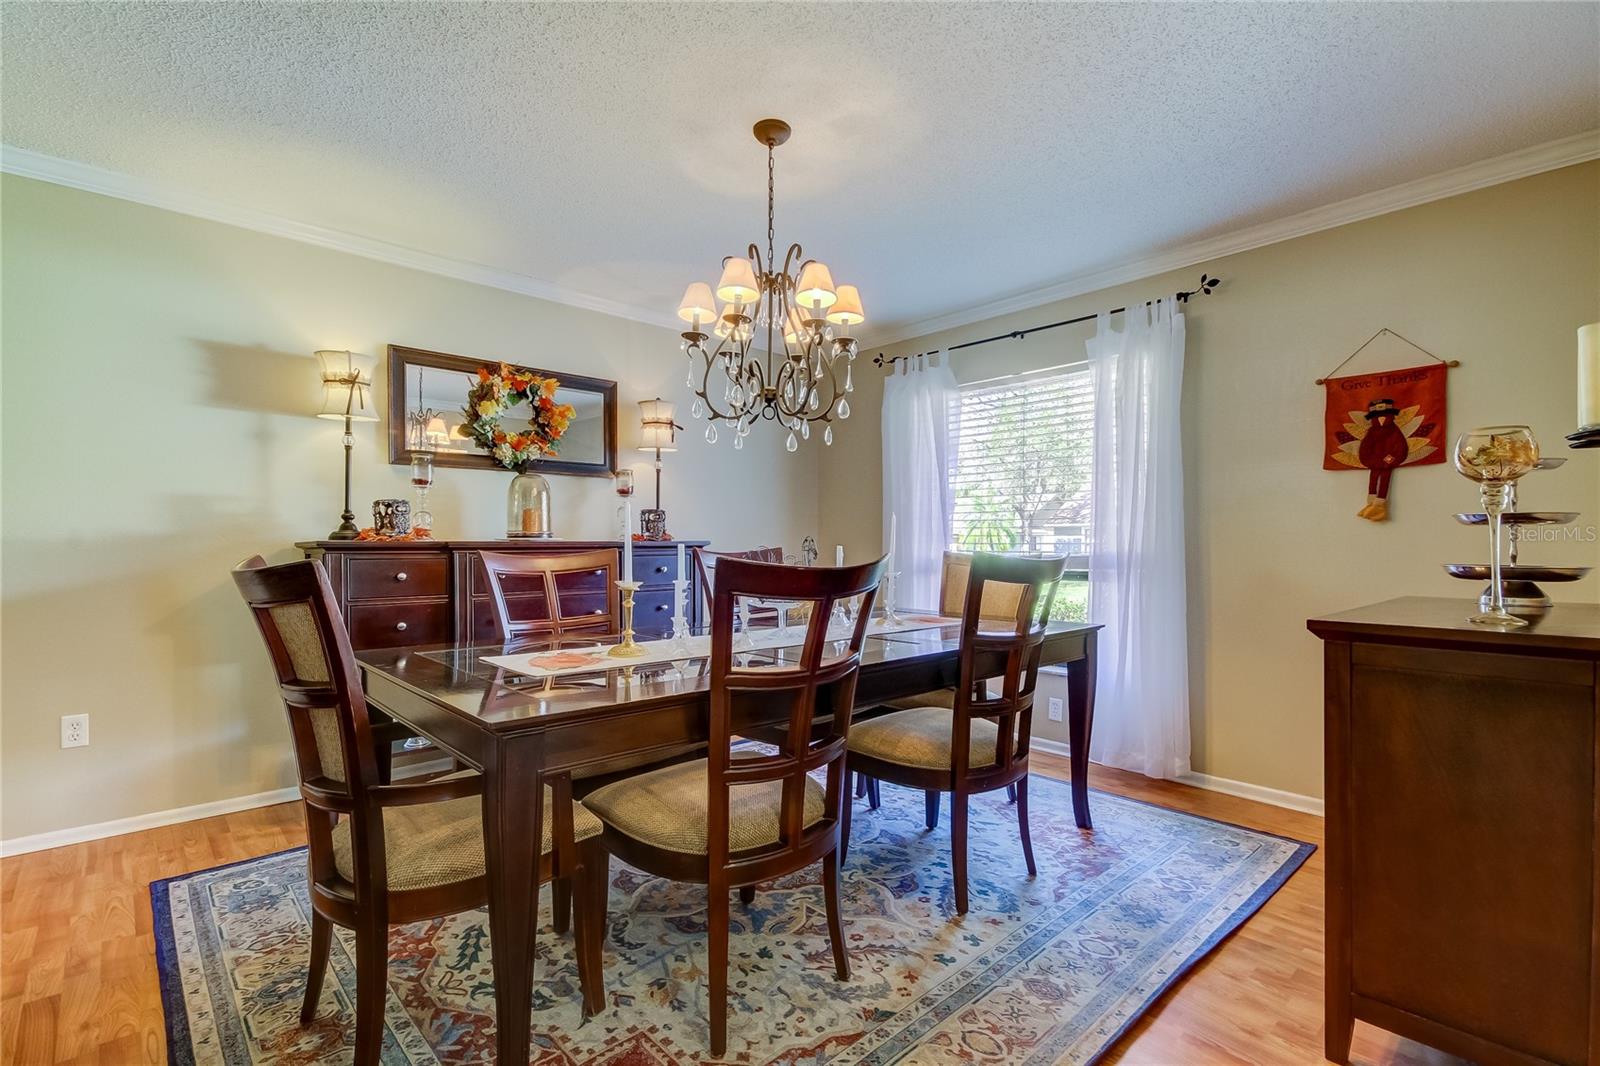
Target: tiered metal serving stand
(1520,581)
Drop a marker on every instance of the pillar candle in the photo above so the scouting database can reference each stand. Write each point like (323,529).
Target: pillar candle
(627,538)
(1589,376)
(838,555)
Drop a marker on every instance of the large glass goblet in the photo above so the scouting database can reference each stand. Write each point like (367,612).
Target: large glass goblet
(422,481)
(1495,457)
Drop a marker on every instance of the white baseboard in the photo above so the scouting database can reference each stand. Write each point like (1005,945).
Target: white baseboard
(156,819)
(1294,801)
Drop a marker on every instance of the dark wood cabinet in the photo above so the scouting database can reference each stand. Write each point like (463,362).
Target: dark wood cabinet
(1461,769)
(434,592)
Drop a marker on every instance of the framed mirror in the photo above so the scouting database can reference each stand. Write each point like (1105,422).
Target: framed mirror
(428,394)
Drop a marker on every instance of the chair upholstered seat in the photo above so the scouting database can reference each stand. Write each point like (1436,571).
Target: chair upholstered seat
(433,844)
(942,697)
(920,737)
(666,808)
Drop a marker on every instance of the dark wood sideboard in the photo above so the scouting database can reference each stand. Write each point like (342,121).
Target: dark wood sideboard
(434,592)
(1463,830)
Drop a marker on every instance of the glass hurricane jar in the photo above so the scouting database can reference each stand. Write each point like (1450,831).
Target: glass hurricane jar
(528,506)
(1495,457)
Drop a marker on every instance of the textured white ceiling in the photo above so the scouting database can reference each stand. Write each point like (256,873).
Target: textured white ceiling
(943,156)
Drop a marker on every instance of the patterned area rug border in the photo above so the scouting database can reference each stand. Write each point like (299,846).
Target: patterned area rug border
(180,1048)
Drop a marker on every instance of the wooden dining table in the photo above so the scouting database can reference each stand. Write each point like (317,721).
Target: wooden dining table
(518,730)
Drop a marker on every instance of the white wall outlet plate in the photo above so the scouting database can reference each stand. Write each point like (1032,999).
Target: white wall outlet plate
(1055,708)
(75,731)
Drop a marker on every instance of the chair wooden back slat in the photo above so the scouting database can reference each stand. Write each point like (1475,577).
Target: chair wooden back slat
(706,563)
(546,570)
(811,678)
(294,608)
(1030,584)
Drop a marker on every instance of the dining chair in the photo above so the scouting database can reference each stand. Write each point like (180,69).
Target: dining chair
(577,589)
(568,584)
(739,817)
(386,854)
(981,742)
(706,563)
(999,602)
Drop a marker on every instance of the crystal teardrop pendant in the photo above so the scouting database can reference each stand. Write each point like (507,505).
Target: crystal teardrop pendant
(844,408)
(737,396)
(738,442)
(699,409)
(791,444)
(805,431)
(849,386)
(688,379)
(711,433)
(827,435)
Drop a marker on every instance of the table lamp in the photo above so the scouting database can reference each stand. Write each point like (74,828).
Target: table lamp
(655,416)
(347,394)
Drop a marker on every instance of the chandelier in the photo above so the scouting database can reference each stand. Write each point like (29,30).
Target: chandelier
(796,320)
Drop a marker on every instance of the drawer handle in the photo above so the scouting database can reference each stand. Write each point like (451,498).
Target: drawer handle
(401,626)
(599,610)
(401,576)
(661,607)
(661,569)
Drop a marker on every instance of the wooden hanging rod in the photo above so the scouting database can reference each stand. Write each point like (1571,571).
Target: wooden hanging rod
(1205,288)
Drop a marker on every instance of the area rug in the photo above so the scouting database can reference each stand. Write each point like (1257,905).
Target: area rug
(1044,970)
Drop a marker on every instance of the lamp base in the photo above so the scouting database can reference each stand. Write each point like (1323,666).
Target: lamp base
(653,524)
(347,529)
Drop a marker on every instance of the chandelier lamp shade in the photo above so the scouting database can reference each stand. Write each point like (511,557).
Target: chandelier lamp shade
(347,394)
(771,341)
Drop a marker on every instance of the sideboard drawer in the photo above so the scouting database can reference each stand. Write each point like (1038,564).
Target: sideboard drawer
(657,566)
(388,625)
(396,576)
(652,613)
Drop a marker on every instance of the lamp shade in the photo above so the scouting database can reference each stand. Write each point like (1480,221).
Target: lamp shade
(738,284)
(347,385)
(697,304)
(846,309)
(814,289)
(436,432)
(655,419)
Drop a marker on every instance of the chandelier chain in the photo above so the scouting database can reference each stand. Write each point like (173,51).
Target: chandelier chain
(771,233)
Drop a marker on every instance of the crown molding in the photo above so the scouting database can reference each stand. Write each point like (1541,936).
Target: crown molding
(30,164)
(1552,155)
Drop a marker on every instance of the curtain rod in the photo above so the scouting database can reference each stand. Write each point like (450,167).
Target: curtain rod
(1207,284)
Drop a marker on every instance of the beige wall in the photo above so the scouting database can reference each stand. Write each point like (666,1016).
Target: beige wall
(157,382)
(1499,279)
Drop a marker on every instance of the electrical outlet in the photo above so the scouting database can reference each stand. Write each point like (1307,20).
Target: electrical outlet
(1055,708)
(74,731)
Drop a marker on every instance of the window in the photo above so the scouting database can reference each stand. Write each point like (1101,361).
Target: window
(1021,472)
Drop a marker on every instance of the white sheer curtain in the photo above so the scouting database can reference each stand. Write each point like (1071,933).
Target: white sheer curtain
(1136,565)
(918,435)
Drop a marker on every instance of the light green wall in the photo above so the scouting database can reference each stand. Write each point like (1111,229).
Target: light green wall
(158,384)
(1499,278)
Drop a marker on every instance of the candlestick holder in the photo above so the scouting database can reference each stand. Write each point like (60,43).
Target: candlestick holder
(627,649)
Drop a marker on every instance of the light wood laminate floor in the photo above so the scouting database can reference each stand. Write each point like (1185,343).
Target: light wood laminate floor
(78,977)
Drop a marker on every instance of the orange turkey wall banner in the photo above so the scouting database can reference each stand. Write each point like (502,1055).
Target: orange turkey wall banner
(1380,422)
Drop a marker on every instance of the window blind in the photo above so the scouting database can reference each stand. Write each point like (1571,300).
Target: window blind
(1020,468)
